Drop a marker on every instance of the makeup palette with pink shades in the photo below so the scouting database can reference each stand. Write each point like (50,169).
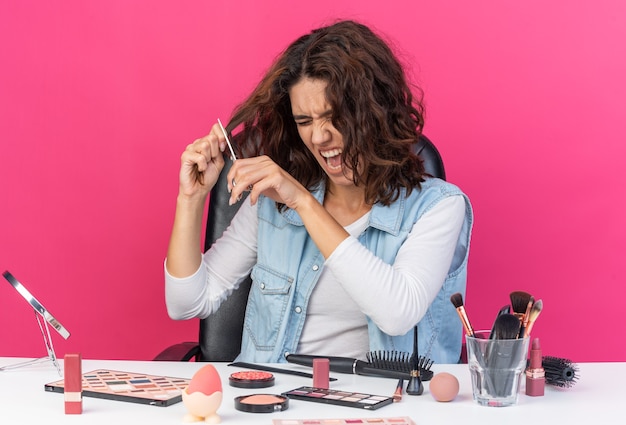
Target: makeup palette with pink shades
(339,397)
(128,386)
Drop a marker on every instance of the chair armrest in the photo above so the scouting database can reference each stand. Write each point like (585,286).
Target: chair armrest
(181,352)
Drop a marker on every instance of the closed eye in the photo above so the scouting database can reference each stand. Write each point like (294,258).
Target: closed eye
(303,122)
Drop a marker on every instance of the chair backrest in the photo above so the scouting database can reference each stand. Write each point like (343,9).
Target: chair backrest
(220,333)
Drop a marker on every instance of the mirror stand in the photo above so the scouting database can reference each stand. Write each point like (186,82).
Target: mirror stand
(47,340)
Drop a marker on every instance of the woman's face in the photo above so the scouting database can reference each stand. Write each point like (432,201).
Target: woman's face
(313,117)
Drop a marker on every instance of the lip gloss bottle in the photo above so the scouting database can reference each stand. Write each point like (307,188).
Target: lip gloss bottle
(535,374)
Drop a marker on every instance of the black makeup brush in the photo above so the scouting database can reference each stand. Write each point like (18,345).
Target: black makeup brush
(504,310)
(415,386)
(559,372)
(457,301)
(501,356)
(506,326)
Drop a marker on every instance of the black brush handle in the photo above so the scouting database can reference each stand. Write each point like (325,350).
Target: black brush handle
(415,386)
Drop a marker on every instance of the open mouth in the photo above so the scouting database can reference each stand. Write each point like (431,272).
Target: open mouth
(333,158)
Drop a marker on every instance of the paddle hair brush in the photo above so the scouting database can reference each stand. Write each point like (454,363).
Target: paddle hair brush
(400,361)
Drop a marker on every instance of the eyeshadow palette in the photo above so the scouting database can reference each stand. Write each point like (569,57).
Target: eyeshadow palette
(340,398)
(128,386)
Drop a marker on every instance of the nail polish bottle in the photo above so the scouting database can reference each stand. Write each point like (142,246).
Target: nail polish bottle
(535,374)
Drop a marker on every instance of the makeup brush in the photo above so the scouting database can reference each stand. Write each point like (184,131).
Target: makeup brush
(506,326)
(559,372)
(519,303)
(526,317)
(532,316)
(501,355)
(457,301)
(504,310)
(415,386)
(397,396)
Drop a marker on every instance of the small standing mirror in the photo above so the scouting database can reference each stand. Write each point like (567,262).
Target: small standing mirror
(45,321)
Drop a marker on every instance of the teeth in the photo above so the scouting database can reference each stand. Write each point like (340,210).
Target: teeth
(331,153)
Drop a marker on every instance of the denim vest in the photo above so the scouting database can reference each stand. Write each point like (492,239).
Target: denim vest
(289,264)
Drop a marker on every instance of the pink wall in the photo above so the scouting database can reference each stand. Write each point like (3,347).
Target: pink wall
(98,99)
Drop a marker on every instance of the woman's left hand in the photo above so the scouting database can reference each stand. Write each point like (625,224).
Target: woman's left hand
(261,175)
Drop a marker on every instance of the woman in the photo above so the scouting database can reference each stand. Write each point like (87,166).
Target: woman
(348,242)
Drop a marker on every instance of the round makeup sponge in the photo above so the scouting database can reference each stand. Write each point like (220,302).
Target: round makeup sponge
(444,386)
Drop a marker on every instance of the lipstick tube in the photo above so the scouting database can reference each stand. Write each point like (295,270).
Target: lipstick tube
(73,384)
(535,374)
(321,370)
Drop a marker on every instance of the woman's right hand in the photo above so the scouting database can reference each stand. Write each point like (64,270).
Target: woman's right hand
(201,164)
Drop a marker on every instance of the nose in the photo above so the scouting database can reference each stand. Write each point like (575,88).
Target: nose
(320,133)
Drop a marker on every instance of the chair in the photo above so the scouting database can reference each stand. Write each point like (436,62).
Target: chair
(220,333)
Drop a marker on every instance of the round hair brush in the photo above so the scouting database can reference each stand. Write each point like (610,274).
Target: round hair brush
(560,372)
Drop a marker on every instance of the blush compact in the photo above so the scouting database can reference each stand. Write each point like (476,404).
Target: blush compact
(261,403)
(251,379)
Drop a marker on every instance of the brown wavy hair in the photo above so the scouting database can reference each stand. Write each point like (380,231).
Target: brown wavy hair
(373,108)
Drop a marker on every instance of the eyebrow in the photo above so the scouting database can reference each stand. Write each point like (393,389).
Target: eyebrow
(324,114)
